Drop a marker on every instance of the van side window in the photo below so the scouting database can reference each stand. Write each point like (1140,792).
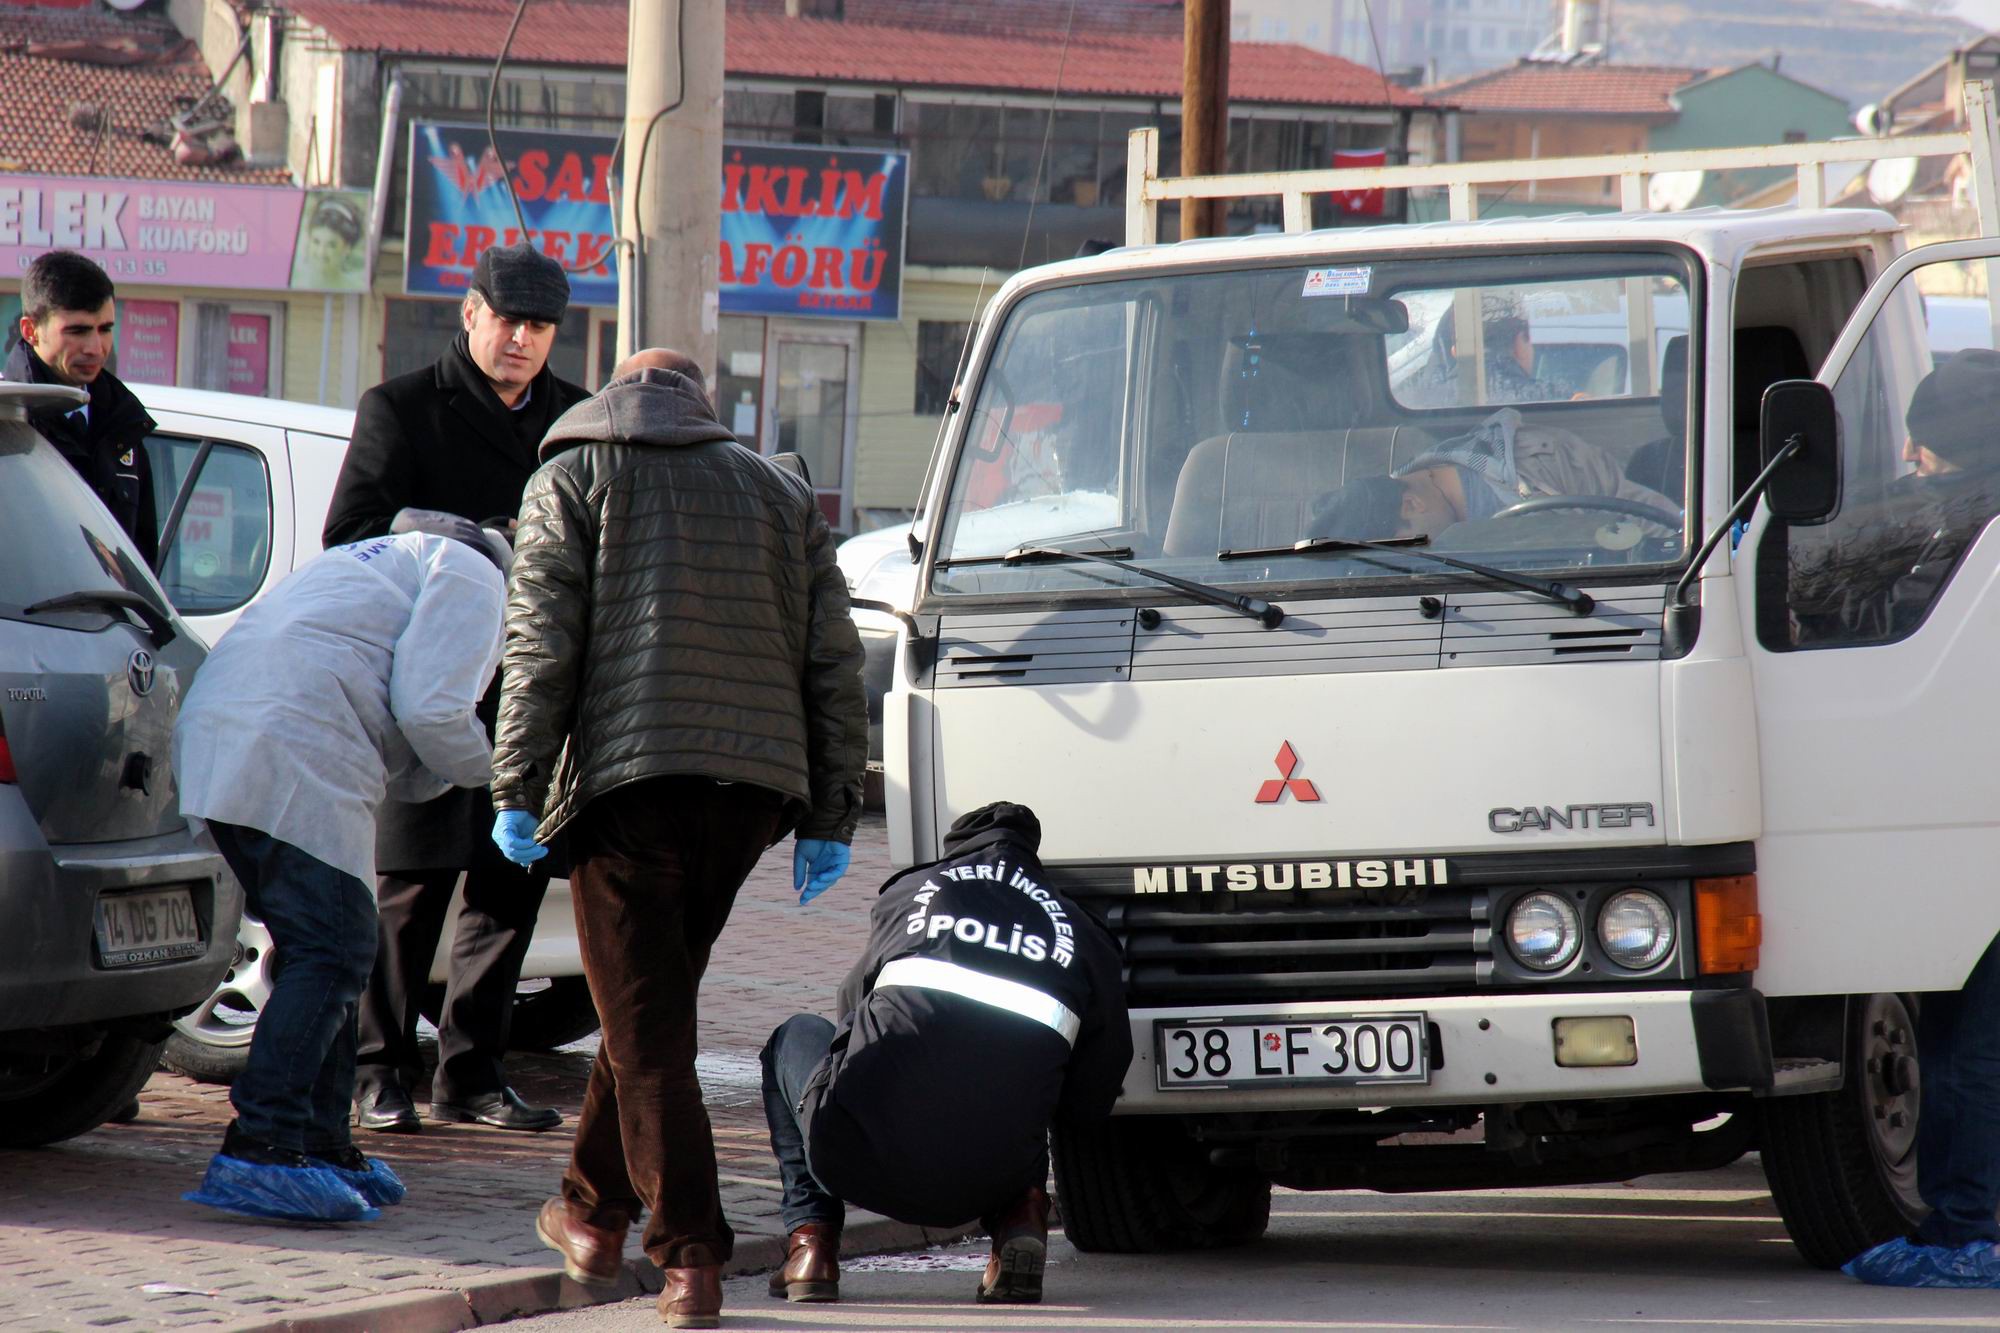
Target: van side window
(1920,479)
(219,551)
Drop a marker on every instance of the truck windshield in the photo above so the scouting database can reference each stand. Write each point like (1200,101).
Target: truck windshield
(1529,412)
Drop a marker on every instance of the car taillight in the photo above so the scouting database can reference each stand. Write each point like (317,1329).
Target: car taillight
(7,773)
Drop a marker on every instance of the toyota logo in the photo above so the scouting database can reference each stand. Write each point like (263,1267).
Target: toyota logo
(139,671)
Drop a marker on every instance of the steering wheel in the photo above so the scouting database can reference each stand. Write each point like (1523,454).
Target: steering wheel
(1610,504)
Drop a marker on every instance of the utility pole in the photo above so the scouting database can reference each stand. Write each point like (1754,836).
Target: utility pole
(670,206)
(1204,110)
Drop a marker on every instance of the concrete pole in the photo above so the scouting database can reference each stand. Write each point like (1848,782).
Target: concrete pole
(671,201)
(1204,110)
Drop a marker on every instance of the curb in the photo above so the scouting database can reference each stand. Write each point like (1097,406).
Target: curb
(518,1292)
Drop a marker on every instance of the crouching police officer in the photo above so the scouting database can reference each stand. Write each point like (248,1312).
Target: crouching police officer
(986,1006)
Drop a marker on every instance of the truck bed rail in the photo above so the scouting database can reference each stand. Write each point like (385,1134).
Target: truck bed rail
(1147,189)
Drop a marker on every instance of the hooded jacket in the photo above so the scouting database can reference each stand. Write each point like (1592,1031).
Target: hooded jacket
(106,445)
(352,682)
(675,610)
(934,1103)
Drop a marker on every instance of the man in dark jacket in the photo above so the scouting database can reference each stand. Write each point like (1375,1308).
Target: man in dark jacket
(67,318)
(681,687)
(458,437)
(986,1006)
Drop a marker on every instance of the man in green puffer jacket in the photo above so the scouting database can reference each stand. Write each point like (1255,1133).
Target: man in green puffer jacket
(681,688)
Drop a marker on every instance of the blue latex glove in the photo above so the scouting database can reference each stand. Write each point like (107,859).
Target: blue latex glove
(817,865)
(514,835)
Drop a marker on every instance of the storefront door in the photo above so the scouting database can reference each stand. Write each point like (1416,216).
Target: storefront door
(812,405)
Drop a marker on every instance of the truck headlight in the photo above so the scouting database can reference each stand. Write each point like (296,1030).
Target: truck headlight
(1543,931)
(1636,928)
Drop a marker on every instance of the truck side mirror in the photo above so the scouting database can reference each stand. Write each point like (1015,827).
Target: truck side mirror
(1806,489)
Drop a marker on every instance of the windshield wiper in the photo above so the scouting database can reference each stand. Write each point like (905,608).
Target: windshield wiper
(1562,594)
(158,623)
(1259,610)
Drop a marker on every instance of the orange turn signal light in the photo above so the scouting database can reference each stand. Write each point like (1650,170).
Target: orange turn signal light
(1727,923)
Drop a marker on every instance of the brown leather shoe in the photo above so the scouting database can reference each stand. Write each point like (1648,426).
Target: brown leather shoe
(692,1297)
(812,1265)
(593,1255)
(1020,1251)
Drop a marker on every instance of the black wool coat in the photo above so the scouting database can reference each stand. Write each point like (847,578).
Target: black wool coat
(107,446)
(439,438)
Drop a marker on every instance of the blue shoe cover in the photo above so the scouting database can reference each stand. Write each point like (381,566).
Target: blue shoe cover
(1898,1263)
(378,1184)
(288,1193)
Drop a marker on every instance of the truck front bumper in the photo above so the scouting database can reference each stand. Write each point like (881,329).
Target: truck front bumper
(1489,1048)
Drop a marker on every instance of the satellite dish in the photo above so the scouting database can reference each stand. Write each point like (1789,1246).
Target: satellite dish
(127,6)
(1890,179)
(1672,191)
(1872,120)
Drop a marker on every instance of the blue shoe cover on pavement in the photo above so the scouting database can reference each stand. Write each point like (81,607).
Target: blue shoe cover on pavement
(288,1193)
(378,1184)
(1898,1263)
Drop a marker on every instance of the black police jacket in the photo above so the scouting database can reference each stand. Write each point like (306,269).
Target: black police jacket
(986,1007)
(107,446)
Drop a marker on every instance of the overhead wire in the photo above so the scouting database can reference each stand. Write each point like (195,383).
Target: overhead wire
(1048,133)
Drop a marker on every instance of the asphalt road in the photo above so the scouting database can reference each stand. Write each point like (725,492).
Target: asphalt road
(1700,1251)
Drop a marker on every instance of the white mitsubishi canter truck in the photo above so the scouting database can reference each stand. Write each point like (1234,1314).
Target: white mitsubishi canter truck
(1590,834)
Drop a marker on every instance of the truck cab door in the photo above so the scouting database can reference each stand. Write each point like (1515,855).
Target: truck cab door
(1872,637)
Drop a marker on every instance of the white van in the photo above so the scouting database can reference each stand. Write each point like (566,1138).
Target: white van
(242,486)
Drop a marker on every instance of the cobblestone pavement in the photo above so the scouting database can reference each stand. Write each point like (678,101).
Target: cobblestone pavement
(93,1232)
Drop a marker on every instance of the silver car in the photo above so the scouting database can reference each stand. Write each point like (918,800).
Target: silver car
(114,918)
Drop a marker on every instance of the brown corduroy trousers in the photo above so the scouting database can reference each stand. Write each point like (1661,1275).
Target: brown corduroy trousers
(657,864)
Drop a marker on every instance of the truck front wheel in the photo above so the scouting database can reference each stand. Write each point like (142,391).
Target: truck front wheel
(1842,1165)
(1140,1185)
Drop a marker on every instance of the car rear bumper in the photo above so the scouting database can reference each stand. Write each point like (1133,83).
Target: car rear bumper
(50,972)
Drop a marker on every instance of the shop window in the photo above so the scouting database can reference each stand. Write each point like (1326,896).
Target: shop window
(234,348)
(739,376)
(416,333)
(219,551)
(938,344)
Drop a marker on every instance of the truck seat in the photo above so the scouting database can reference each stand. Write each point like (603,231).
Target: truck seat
(1258,488)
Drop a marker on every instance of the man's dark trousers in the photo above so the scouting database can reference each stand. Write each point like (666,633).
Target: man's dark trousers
(655,869)
(496,924)
(296,1088)
(789,1058)
(1958,1134)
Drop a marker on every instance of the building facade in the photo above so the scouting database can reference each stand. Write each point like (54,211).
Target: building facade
(1002,167)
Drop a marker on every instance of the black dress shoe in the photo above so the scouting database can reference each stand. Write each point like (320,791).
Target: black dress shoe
(387,1110)
(502,1110)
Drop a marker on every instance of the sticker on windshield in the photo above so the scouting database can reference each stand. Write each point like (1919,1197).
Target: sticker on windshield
(1337,281)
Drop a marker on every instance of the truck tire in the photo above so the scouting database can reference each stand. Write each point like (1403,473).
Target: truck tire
(1843,1165)
(549,1013)
(1140,1185)
(45,1099)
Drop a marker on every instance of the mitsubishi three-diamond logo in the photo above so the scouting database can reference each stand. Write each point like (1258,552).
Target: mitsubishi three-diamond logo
(1274,790)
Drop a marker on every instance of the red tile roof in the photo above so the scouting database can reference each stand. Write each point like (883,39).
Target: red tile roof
(1570,90)
(1104,60)
(36,97)
(41,96)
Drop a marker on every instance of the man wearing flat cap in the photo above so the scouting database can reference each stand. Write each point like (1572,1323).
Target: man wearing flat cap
(459,437)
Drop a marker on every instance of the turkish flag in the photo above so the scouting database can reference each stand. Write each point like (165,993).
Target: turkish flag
(1360,203)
